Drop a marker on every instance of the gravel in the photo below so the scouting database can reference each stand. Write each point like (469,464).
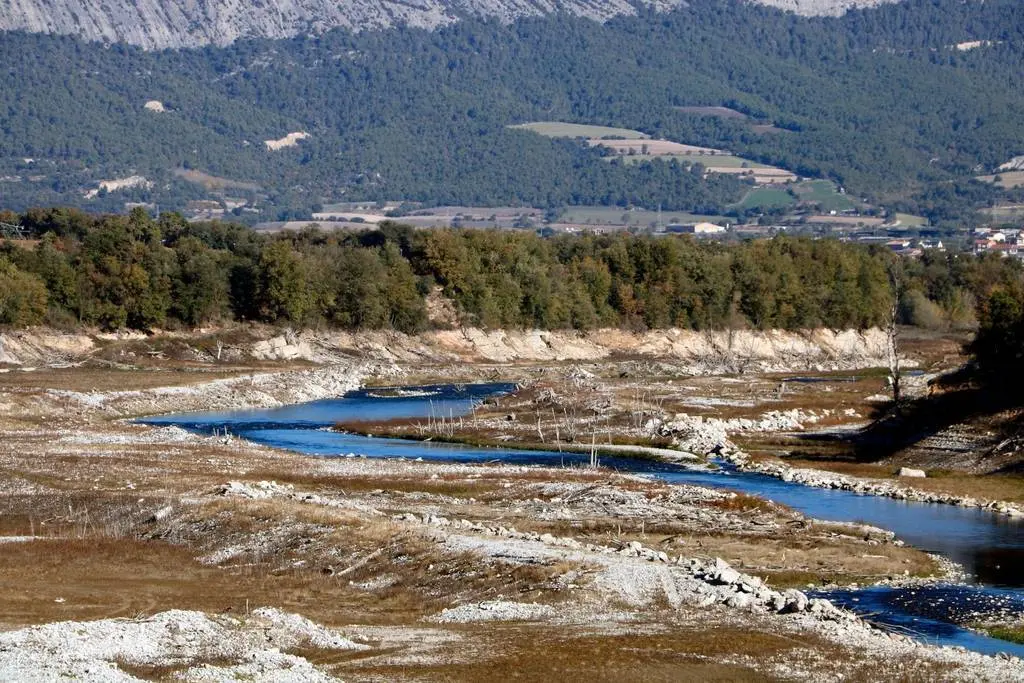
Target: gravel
(494,610)
(176,638)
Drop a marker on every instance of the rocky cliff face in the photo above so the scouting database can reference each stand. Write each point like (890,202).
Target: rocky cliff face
(159,24)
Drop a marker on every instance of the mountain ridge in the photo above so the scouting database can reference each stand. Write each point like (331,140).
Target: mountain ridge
(169,24)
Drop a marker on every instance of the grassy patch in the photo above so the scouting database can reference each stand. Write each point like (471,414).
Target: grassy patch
(105,379)
(717,112)
(616,215)
(766,198)
(558,129)
(911,221)
(1007,179)
(709,161)
(212,182)
(1009,213)
(644,653)
(1013,634)
(825,194)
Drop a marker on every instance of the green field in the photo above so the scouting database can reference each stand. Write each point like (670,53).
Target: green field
(909,220)
(557,129)
(614,215)
(825,194)
(766,198)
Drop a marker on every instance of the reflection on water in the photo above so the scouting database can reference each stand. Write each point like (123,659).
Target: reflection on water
(989,546)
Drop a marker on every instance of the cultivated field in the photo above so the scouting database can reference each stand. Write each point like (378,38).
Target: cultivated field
(825,194)
(714,161)
(1007,179)
(761,176)
(765,198)
(636,147)
(655,148)
(718,161)
(821,192)
(616,215)
(1006,212)
(719,112)
(558,129)
(212,182)
(909,220)
(852,221)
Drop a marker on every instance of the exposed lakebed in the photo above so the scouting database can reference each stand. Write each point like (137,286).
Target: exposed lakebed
(989,546)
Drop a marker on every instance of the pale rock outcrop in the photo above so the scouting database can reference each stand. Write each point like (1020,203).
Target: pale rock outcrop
(911,472)
(161,24)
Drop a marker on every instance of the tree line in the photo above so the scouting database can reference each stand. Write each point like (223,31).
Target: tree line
(113,272)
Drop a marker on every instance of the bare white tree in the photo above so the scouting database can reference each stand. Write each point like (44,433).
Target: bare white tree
(897,286)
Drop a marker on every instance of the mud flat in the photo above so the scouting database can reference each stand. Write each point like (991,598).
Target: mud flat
(233,560)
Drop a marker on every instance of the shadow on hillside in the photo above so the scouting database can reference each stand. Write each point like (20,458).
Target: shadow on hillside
(955,398)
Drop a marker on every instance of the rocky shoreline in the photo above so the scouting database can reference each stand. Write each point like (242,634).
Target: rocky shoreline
(843,482)
(710,438)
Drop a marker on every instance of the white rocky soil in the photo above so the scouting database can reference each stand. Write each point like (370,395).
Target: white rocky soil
(694,353)
(200,646)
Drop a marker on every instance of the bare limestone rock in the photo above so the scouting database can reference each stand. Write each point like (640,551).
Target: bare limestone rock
(911,472)
(161,24)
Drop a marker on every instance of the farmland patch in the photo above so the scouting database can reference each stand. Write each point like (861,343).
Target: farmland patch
(559,129)
(1007,179)
(825,194)
(654,147)
(212,182)
(766,198)
(719,112)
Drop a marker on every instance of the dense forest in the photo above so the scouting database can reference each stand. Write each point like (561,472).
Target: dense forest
(116,272)
(879,100)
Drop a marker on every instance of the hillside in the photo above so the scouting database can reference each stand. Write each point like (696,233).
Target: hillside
(880,101)
(161,24)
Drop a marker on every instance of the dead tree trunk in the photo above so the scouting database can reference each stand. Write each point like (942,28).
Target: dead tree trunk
(892,343)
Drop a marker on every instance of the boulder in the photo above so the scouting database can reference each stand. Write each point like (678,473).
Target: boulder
(795,601)
(740,600)
(910,472)
(722,573)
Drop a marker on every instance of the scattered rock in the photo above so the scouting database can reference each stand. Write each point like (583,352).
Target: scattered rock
(494,610)
(794,601)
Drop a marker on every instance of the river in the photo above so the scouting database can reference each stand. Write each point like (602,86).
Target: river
(990,547)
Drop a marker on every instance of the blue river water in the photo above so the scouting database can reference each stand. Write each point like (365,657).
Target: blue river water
(989,546)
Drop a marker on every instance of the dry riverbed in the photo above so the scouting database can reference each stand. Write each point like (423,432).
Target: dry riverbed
(152,553)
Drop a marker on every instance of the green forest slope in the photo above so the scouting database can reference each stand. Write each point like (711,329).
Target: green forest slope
(879,100)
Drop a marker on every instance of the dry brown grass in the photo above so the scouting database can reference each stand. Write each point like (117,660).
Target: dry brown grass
(454,486)
(647,652)
(106,379)
(109,577)
(1008,179)
(742,502)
